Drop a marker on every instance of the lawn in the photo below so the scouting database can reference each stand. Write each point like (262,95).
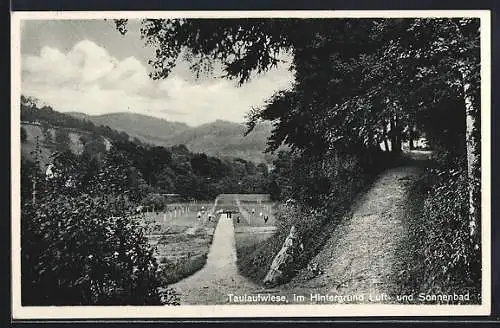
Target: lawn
(181,239)
(251,214)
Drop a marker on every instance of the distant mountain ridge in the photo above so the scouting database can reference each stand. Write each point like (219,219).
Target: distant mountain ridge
(219,138)
(143,127)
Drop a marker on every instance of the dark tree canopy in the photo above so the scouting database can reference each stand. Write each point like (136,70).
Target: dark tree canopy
(353,77)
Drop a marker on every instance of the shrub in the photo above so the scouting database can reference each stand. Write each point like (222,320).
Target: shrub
(154,201)
(81,250)
(79,243)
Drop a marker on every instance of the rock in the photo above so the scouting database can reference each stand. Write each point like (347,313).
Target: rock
(282,264)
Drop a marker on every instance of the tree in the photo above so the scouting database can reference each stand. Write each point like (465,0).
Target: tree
(62,139)
(452,62)
(29,172)
(281,175)
(263,169)
(258,43)
(352,64)
(82,250)
(166,179)
(93,145)
(47,134)
(34,174)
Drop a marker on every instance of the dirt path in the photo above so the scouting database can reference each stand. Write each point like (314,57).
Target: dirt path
(219,277)
(359,257)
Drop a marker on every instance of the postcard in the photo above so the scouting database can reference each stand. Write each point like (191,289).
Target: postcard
(250,164)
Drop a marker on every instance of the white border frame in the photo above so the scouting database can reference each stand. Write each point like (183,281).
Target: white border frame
(238,311)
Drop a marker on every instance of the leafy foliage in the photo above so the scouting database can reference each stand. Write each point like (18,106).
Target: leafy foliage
(198,176)
(243,45)
(345,70)
(62,140)
(358,83)
(80,243)
(175,270)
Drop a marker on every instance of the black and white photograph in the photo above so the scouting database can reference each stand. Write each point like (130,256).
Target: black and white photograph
(329,163)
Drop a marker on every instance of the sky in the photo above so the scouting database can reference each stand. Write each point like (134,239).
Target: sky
(87,66)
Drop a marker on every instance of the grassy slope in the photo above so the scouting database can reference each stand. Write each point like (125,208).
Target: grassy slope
(255,256)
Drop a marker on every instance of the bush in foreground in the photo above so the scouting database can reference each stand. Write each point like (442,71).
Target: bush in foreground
(80,244)
(76,250)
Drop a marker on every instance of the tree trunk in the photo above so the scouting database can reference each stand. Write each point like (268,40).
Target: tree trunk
(471,153)
(471,143)
(399,136)
(386,143)
(398,142)
(370,140)
(395,137)
(410,138)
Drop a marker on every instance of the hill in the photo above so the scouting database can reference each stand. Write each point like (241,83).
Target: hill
(148,168)
(145,128)
(220,138)
(47,137)
(78,115)
(226,139)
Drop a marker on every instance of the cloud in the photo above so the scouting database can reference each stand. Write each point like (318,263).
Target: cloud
(89,79)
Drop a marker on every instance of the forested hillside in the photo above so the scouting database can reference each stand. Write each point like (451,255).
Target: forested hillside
(222,139)
(174,169)
(152,130)
(227,139)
